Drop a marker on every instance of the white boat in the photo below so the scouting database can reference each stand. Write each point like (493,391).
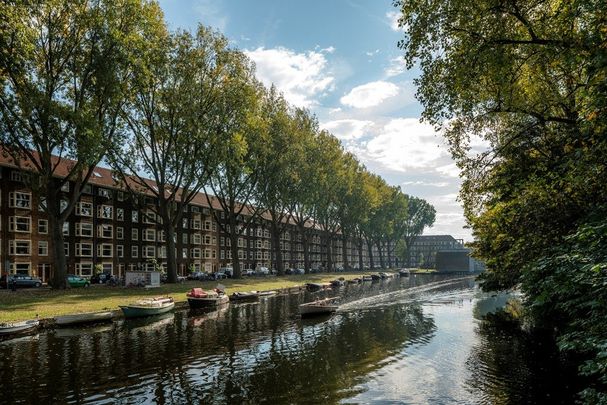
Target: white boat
(199,298)
(318,307)
(147,307)
(88,317)
(267,293)
(11,328)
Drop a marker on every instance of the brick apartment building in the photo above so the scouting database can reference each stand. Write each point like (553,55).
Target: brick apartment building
(424,248)
(106,229)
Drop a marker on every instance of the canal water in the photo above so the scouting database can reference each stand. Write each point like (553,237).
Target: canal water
(416,340)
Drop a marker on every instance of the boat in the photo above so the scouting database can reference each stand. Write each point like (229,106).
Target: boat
(11,328)
(404,272)
(355,281)
(317,286)
(318,307)
(386,275)
(375,277)
(148,307)
(367,278)
(338,283)
(89,317)
(268,293)
(247,296)
(199,298)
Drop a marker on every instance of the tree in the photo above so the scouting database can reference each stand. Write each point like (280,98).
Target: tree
(171,117)
(420,214)
(242,128)
(63,69)
(279,159)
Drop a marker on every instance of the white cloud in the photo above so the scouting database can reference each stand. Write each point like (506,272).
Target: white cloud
(371,53)
(369,94)
(425,183)
(393,17)
(302,77)
(450,170)
(404,144)
(348,129)
(397,66)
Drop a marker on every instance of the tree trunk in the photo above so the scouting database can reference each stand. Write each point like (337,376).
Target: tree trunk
(276,249)
(389,254)
(234,247)
(169,232)
(344,251)
(59,279)
(380,251)
(361,264)
(306,248)
(370,250)
(329,254)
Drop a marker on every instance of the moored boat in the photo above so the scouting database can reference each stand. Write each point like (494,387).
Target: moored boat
(148,307)
(375,277)
(355,281)
(12,328)
(318,307)
(89,317)
(247,296)
(268,293)
(404,272)
(367,278)
(338,283)
(199,298)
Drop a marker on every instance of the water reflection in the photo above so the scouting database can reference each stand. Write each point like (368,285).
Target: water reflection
(385,337)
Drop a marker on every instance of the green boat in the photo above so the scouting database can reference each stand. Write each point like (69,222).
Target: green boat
(148,307)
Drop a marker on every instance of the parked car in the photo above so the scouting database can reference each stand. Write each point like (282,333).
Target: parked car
(263,271)
(228,271)
(197,275)
(299,271)
(76,281)
(249,272)
(101,278)
(219,275)
(20,280)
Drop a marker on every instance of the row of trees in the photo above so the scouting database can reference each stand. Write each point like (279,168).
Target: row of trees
(530,78)
(175,114)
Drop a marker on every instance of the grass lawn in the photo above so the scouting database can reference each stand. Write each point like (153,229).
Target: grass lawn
(26,303)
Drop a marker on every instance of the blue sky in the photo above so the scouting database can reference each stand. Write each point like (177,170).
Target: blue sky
(340,59)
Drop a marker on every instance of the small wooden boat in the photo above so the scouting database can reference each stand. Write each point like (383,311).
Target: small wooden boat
(248,296)
(268,293)
(148,307)
(89,317)
(12,328)
(404,272)
(386,275)
(367,278)
(318,307)
(199,298)
(338,283)
(317,286)
(355,281)
(375,277)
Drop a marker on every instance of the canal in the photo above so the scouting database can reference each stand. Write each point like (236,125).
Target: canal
(412,340)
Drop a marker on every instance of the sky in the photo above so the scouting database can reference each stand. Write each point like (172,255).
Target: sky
(340,59)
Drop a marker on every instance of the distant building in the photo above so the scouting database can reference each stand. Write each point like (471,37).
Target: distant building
(423,250)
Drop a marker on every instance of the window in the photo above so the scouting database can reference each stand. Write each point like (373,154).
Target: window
(134,216)
(149,251)
(104,192)
(162,252)
(84,269)
(222,254)
(134,251)
(120,250)
(84,229)
(105,250)
(43,226)
(194,208)
(119,232)
(149,235)
(19,247)
(20,200)
(120,214)
(84,250)
(184,223)
(214,226)
(161,236)
(184,253)
(196,239)
(222,241)
(20,224)
(20,268)
(196,253)
(42,248)
(105,231)
(148,217)
(196,224)
(66,187)
(87,189)
(108,267)
(42,204)
(207,225)
(106,212)
(66,229)
(184,238)
(134,234)
(66,248)
(84,209)
(120,196)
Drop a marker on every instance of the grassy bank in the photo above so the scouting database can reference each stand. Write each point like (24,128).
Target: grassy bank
(27,303)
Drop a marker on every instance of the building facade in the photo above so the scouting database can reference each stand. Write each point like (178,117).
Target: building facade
(423,250)
(107,231)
